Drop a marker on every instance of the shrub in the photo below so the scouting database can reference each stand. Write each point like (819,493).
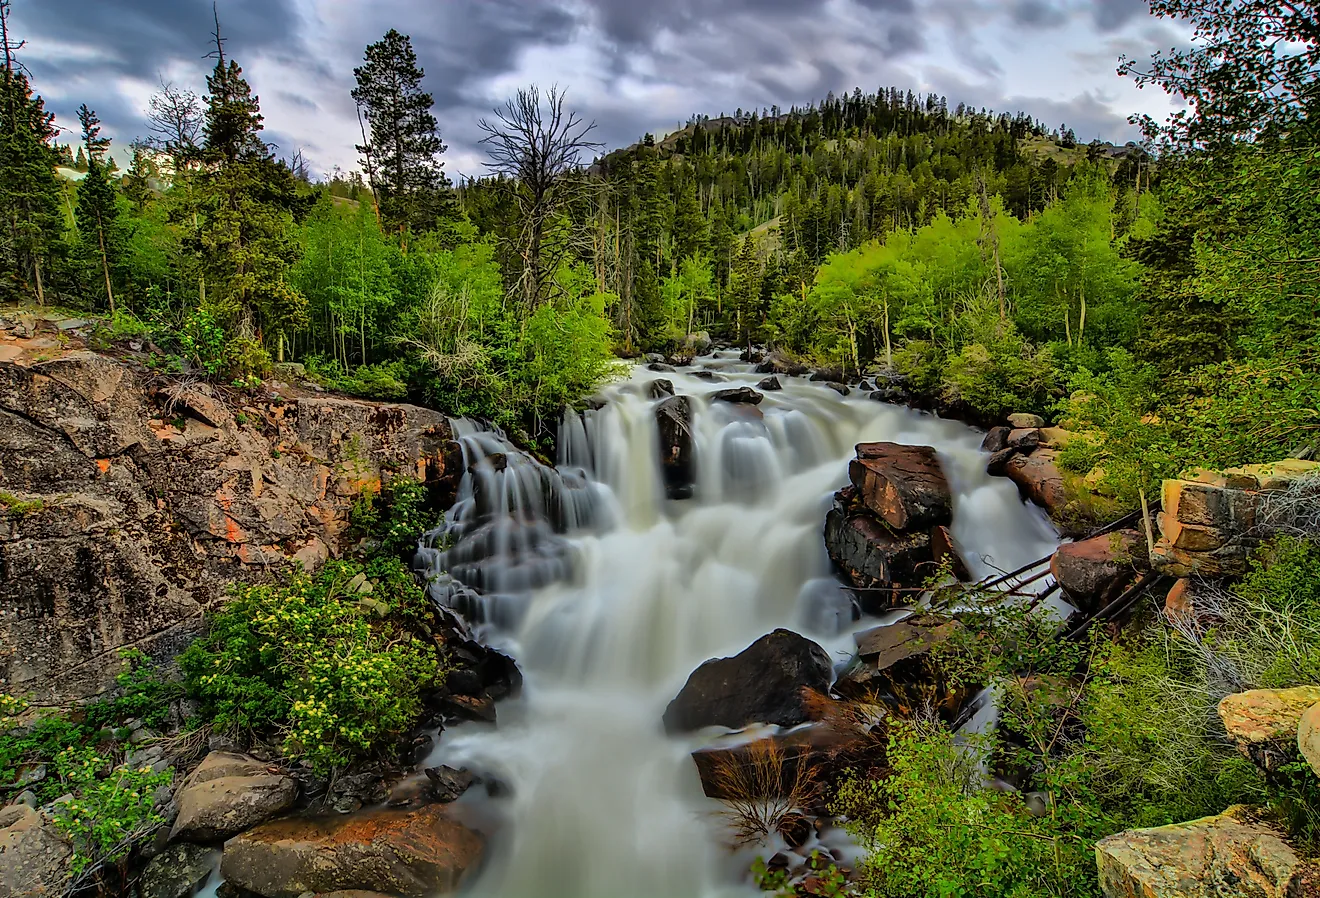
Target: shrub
(111,810)
(1001,376)
(334,664)
(395,517)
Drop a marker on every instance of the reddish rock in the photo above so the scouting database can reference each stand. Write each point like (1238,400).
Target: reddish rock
(943,549)
(1038,479)
(904,485)
(413,854)
(1095,571)
(998,464)
(873,557)
(996,440)
(894,661)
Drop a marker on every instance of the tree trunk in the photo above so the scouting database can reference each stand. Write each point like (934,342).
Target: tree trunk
(105,264)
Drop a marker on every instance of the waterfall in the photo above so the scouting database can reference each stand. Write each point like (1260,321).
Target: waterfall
(609,595)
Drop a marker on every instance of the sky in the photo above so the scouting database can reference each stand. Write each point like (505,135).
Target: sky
(632,66)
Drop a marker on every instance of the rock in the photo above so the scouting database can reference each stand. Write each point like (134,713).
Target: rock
(996,440)
(479,708)
(828,376)
(765,683)
(447,784)
(33,856)
(413,854)
(741,395)
(1308,737)
(998,464)
(677,452)
(904,485)
(894,661)
(660,388)
(1227,855)
(1057,437)
(654,357)
(178,872)
(872,556)
(1182,608)
(1095,571)
(1039,480)
(778,363)
(698,344)
(770,385)
(841,389)
(1020,421)
(710,376)
(943,549)
(228,793)
(1265,724)
(1025,440)
(660,367)
(1208,524)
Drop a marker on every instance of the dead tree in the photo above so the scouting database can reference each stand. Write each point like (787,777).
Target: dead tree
(536,147)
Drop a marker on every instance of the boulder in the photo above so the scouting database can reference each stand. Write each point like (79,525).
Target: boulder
(873,557)
(1024,440)
(771,764)
(713,377)
(996,440)
(904,485)
(1215,857)
(770,385)
(1308,737)
(698,344)
(178,871)
(1020,421)
(447,784)
(412,854)
(1182,606)
(744,395)
(660,388)
(228,793)
(33,856)
(778,363)
(1265,724)
(997,466)
(841,389)
(894,662)
(1038,479)
(1094,572)
(660,368)
(827,375)
(943,549)
(768,682)
(677,453)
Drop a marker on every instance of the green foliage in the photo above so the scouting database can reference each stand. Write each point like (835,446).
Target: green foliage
(334,664)
(111,810)
(396,516)
(12,503)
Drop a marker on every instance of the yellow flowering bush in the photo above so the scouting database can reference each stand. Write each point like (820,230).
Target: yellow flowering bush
(333,664)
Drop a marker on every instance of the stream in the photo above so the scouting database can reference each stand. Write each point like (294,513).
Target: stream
(609,595)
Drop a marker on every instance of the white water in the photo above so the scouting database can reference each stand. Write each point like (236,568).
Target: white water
(603,804)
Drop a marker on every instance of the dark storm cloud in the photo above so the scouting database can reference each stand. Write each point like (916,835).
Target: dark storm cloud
(1038,14)
(1111,15)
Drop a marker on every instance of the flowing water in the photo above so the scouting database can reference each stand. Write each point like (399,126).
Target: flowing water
(609,595)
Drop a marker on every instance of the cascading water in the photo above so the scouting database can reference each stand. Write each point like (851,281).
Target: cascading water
(609,595)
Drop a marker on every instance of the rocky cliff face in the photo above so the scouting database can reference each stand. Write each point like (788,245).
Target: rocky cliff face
(129,502)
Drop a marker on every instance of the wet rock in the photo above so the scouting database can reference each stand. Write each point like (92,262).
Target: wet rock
(827,375)
(413,854)
(228,793)
(744,395)
(479,708)
(841,389)
(1021,421)
(1038,479)
(660,388)
(33,855)
(767,682)
(904,485)
(447,784)
(660,367)
(998,464)
(362,787)
(778,363)
(944,550)
(1265,724)
(770,385)
(1095,571)
(872,556)
(1024,440)
(710,376)
(996,440)
(654,357)
(1229,854)
(698,344)
(178,872)
(677,452)
(772,764)
(1308,737)
(865,386)
(894,662)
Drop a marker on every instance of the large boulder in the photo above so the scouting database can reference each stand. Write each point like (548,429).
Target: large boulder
(745,395)
(228,793)
(33,856)
(1038,479)
(768,682)
(778,363)
(678,455)
(178,871)
(904,485)
(1308,737)
(1093,572)
(1231,854)
(1264,724)
(996,440)
(413,854)
(895,663)
(771,765)
(872,557)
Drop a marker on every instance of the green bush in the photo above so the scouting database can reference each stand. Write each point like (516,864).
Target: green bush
(395,517)
(111,810)
(1001,376)
(335,664)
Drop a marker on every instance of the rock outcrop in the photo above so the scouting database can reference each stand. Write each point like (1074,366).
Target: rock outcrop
(1308,737)
(894,664)
(1264,724)
(768,682)
(227,794)
(178,872)
(678,455)
(412,854)
(1229,854)
(32,855)
(137,498)
(1212,520)
(1094,572)
(903,485)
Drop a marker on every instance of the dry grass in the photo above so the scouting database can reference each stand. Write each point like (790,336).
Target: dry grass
(767,788)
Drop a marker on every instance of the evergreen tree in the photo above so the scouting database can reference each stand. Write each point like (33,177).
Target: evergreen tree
(97,212)
(80,161)
(401,152)
(30,236)
(689,224)
(245,201)
(136,183)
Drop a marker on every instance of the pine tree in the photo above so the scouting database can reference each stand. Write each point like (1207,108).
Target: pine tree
(31,223)
(245,201)
(689,224)
(97,212)
(136,183)
(401,152)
